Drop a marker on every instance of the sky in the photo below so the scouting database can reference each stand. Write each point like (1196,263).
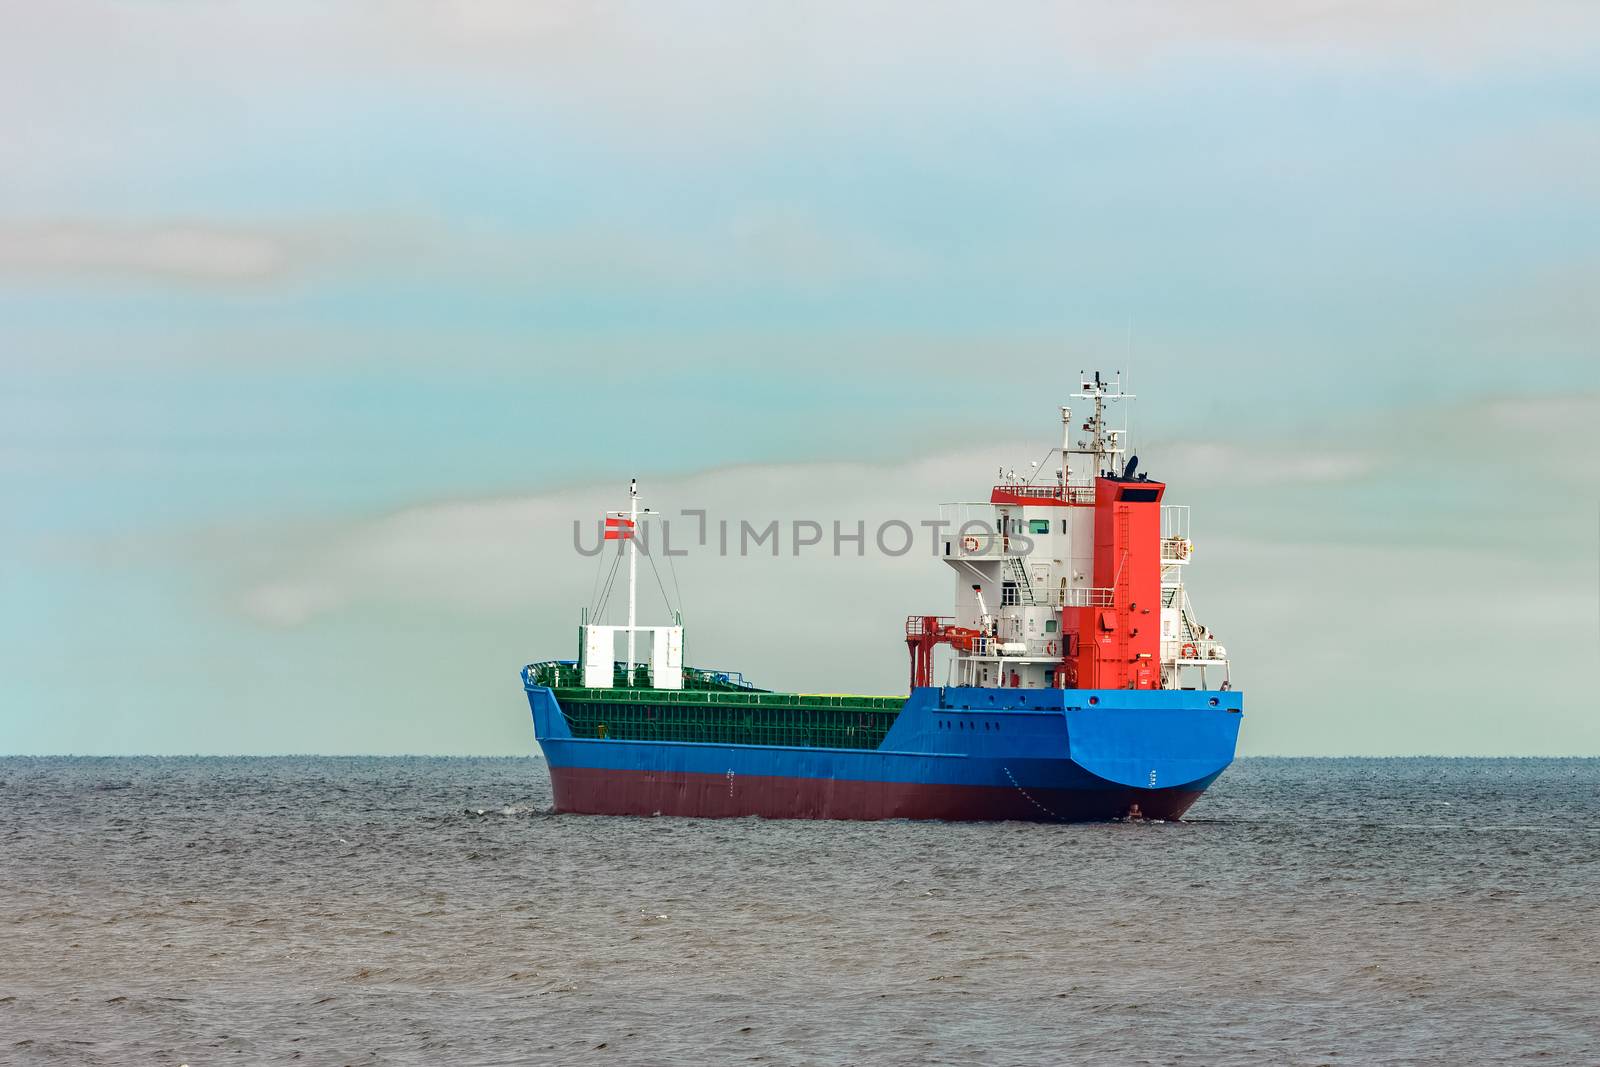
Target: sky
(321,324)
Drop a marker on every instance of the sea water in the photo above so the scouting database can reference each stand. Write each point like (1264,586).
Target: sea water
(433,911)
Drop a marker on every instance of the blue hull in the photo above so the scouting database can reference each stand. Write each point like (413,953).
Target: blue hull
(952,753)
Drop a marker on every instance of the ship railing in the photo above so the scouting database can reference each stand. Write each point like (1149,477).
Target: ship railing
(1176,549)
(980,543)
(1050,646)
(1174,521)
(552,673)
(1082,596)
(754,698)
(726,681)
(1071,494)
(1194,650)
(568,674)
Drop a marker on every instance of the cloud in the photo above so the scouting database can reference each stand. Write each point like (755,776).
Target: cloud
(1551,418)
(834,40)
(402,631)
(672,71)
(191,252)
(495,554)
(773,247)
(1434,33)
(773,244)
(498,554)
(1309,594)
(1206,464)
(291,603)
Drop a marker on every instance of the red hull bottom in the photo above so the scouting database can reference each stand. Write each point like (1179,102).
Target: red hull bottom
(598,791)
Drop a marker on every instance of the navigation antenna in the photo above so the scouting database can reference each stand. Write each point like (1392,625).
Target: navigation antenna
(1104,444)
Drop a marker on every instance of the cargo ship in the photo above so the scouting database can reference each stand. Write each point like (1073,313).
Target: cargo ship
(1071,681)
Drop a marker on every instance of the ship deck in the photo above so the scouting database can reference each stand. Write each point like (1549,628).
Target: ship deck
(713,707)
(728,717)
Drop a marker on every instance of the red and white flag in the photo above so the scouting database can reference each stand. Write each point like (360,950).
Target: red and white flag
(618,529)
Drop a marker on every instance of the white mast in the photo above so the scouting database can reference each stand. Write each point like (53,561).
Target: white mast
(1066,441)
(633,567)
(597,646)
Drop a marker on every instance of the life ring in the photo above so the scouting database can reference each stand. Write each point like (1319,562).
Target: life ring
(1189,651)
(969,543)
(1049,648)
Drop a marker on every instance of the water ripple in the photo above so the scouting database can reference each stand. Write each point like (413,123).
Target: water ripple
(426,911)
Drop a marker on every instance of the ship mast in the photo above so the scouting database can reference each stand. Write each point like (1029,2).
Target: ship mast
(1103,443)
(633,568)
(1062,475)
(597,649)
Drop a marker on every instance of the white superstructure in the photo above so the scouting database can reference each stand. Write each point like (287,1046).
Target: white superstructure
(1039,604)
